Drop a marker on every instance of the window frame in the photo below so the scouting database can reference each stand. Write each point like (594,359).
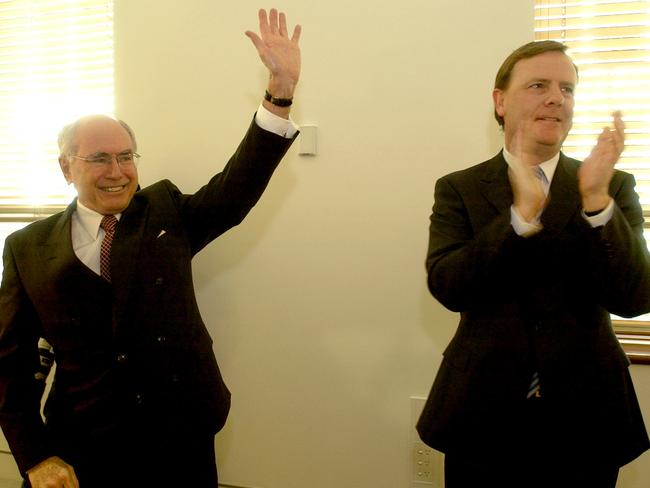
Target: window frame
(634,336)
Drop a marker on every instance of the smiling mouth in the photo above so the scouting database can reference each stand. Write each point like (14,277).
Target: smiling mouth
(113,189)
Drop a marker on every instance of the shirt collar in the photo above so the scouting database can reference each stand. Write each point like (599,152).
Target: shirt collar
(90,220)
(548,167)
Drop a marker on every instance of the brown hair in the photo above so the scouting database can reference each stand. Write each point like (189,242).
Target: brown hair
(524,52)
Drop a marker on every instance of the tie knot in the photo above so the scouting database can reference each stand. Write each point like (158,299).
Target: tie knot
(108,223)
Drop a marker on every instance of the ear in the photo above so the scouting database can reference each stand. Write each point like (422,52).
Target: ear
(64,164)
(498,98)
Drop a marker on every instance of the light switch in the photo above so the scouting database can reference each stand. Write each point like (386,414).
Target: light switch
(308,140)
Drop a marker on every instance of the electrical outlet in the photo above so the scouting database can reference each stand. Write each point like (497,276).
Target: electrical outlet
(423,464)
(427,464)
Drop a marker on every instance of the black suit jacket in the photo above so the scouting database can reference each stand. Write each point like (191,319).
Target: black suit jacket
(151,356)
(534,304)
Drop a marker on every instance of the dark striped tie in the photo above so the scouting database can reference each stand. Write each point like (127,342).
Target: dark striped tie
(534,390)
(108,223)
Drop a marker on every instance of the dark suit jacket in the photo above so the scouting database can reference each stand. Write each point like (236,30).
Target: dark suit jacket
(534,304)
(154,359)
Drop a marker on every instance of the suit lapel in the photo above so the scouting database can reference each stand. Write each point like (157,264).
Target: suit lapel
(58,266)
(495,185)
(564,196)
(57,253)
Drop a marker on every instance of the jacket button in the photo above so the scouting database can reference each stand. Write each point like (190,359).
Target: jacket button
(159,281)
(139,399)
(121,358)
(161,339)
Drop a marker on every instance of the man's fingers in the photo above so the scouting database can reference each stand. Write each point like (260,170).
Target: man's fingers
(257,41)
(611,141)
(264,23)
(519,144)
(618,119)
(283,25)
(276,24)
(296,33)
(619,135)
(273,21)
(604,136)
(75,481)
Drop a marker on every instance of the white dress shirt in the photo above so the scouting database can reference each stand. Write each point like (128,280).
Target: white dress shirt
(271,122)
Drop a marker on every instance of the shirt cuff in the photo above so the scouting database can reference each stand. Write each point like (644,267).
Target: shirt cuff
(267,120)
(603,217)
(523,228)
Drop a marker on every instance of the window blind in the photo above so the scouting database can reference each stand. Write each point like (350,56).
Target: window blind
(609,40)
(56,64)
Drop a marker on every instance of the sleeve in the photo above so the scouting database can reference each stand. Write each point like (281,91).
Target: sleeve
(20,390)
(267,120)
(602,217)
(521,227)
(228,197)
(463,261)
(619,260)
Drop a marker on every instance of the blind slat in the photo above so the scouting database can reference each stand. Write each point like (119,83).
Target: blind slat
(56,64)
(609,41)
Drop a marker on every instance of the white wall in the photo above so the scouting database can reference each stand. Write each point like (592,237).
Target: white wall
(322,323)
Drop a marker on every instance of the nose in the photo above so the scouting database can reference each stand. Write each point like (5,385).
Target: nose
(555,96)
(114,170)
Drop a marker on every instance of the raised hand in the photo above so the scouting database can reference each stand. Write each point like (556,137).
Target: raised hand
(279,53)
(597,169)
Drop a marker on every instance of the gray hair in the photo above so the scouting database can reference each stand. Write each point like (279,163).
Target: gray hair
(66,139)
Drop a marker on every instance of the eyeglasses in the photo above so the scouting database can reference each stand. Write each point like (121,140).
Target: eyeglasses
(102,160)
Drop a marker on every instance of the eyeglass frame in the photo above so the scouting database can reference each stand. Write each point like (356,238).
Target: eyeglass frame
(104,161)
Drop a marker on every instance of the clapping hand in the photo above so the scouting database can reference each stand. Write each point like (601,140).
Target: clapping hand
(597,169)
(528,191)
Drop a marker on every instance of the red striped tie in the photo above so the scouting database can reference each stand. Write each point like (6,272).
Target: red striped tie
(108,223)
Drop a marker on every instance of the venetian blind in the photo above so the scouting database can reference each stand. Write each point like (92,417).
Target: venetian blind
(56,64)
(609,40)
